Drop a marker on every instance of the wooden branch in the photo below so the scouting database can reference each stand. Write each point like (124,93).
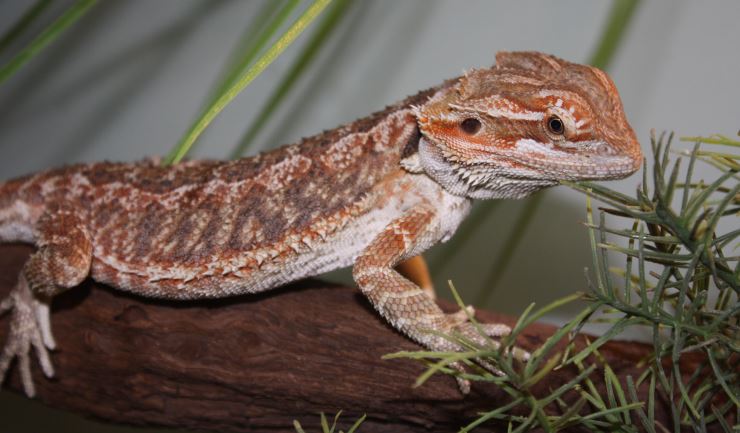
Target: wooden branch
(256,363)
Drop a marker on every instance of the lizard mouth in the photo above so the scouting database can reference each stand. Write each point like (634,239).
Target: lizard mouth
(532,160)
(582,167)
(528,159)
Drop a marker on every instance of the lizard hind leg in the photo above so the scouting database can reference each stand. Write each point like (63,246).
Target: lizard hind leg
(62,261)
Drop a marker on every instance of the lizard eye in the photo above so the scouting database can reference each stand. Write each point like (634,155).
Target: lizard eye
(555,125)
(470,125)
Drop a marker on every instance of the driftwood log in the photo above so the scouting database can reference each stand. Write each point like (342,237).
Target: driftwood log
(256,363)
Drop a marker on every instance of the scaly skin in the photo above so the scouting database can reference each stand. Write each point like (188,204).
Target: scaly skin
(372,193)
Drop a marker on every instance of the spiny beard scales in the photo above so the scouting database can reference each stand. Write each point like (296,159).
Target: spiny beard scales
(479,180)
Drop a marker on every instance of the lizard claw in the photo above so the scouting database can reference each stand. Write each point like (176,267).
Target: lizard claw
(479,334)
(461,325)
(462,383)
(495,330)
(461,317)
(29,327)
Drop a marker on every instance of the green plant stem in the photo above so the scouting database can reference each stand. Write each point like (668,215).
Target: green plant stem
(23,23)
(696,247)
(502,264)
(323,31)
(478,215)
(714,139)
(619,18)
(260,31)
(260,65)
(46,37)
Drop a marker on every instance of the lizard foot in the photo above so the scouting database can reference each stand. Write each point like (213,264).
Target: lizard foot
(481,335)
(29,327)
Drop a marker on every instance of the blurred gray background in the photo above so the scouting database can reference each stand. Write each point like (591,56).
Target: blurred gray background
(128,79)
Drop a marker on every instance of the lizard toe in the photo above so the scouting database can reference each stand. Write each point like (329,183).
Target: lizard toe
(482,333)
(466,333)
(7,304)
(495,329)
(27,333)
(462,383)
(43,317)
(461,316)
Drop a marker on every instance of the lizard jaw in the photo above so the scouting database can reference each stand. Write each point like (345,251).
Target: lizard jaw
(551,162)
(479,181)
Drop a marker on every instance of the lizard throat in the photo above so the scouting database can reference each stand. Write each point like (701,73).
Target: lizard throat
(475,181)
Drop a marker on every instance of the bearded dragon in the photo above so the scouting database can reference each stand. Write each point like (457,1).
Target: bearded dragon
(371,194)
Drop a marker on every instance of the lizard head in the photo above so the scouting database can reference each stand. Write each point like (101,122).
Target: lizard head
(529,122)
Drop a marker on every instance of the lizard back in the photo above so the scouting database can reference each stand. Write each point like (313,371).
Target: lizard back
(230,226)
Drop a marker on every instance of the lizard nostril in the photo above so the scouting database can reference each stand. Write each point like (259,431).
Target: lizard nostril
(603,150)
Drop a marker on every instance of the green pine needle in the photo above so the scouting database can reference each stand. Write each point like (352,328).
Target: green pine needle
(325,428)
(675,264)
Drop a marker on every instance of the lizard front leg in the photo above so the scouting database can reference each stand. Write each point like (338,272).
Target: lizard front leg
(61,261)
(404,304)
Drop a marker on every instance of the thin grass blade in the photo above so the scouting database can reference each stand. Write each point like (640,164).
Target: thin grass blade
(324,30)
(23,23)
(49,35)
(183,147)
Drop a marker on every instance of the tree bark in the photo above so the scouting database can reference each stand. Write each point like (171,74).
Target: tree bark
(258,362)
